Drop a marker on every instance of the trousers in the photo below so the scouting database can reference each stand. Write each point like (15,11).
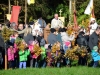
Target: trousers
(22,64)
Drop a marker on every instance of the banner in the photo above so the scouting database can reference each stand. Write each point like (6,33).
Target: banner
(75,20)
(15,14)
(89,8)
(8,16)
(30,2)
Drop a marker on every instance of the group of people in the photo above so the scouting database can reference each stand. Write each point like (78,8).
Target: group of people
(33,50)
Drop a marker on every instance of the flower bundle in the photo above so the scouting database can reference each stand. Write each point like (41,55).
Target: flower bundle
(37,50)
(55,47)
(6,33)
(72,54)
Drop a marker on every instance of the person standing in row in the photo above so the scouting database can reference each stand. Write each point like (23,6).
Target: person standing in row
(56,22)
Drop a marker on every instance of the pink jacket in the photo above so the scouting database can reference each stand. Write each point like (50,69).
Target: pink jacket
(16,51)
(11,54)
(31,50)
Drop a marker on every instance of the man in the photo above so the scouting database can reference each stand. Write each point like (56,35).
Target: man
(42,22)
(93,39)
(52,38)
(20,28)
(93,25)
(13,26)
(56,23)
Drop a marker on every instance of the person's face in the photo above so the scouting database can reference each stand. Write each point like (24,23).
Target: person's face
(20,26)
(16,35)
(56,16)
(11,47)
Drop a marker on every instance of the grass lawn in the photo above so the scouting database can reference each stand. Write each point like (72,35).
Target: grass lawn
(53,71)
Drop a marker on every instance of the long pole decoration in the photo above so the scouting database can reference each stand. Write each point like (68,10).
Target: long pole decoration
(9,7)
(5,57)
(5,42)
(25,11)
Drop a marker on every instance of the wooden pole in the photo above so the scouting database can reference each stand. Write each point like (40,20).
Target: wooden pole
(25,11)
(70,10)
(5,58)
(9,7)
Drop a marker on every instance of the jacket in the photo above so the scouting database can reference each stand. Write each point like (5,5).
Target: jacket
(95,55)
(43,53)
(52,38)
(28,38)
(11,54)
(23,55)
(59,38)
(65,37)
(81,40)
(93,40)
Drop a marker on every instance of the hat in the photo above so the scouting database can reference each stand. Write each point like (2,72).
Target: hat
(52,30)
(95,48)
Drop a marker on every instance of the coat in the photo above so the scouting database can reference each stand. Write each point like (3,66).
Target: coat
(23,55)
(1,41)
(52,38)
(93,40)
(59,38)
(28,38)
(65,37)
(95,55)
(11,54)
(81,40)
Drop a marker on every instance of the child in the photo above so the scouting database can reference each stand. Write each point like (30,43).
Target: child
(43,55)
(31,47)
(95,56)
(13,37)
(23,53)
(11,52)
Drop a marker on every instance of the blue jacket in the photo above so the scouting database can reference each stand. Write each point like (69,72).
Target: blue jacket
(52,38)
(95,55)
(59,38)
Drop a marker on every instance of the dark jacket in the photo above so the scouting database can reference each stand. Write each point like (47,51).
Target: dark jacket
(59,39)
(93,40)
(52,38)
(81,40)
(1,41)
(28,38)
(41,40)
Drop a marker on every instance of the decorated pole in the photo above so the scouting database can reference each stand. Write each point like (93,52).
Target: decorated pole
(5,57)
(25,11)
(72,7)
(6,34)
(9,7)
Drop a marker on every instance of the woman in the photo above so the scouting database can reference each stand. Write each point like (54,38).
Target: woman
(28,35)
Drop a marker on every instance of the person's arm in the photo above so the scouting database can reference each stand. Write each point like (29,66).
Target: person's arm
(23,31)
(28,52)
(21,53)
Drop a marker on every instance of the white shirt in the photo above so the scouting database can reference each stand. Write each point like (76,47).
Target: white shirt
(56,23)
(93,27)
(36,27)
